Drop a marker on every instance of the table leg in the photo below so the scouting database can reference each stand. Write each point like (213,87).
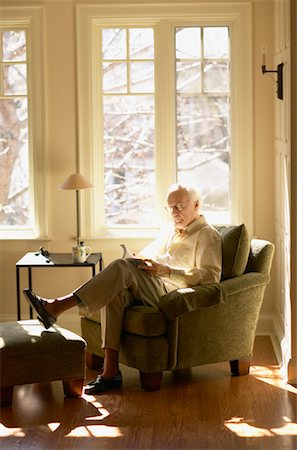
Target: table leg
(94,267)
(18,293)
(30,287)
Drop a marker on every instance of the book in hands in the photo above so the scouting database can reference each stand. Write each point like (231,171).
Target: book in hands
(133,259)
(127,252)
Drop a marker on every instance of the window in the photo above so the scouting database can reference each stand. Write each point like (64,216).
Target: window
(158,100)
(203,115)
(128,116)
(21,135)
(14,193)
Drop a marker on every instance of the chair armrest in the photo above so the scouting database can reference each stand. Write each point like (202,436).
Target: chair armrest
(184,300)
(244,282)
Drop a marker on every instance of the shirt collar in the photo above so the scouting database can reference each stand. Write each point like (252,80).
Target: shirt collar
(192,227)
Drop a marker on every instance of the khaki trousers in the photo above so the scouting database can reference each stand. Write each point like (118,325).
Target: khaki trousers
(119,285)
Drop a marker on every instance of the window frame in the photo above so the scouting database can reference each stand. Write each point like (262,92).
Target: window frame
(30,19)
(239,20)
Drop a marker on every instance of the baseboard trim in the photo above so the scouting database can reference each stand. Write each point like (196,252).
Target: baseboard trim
(9,318)
(265,326)
(269,324)
(292,372)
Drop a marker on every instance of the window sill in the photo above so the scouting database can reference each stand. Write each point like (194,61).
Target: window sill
(20,235)
(128,233)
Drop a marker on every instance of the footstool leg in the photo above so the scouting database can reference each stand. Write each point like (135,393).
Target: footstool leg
(73,388)
(6,395)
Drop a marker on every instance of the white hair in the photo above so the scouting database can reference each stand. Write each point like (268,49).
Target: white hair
(193,193)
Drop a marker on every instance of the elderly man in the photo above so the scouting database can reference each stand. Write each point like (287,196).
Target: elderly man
(187,254)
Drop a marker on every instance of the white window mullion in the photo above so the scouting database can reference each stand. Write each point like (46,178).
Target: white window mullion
(128,61)
(1,66)
(97,132)
(242,121)
(202,61)
(165,110)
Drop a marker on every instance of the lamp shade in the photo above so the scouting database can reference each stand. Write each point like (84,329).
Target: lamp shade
(76,181)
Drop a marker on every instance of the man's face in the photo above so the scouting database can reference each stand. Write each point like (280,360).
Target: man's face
(182,209)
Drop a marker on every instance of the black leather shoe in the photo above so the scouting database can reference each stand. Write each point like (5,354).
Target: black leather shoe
(101,384)
(38,304)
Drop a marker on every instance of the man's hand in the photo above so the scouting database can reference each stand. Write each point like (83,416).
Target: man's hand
(154,268)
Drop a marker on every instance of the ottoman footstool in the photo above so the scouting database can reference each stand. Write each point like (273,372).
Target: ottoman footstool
(31,354)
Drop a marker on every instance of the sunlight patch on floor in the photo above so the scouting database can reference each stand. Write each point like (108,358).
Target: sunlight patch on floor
(244,428)
(53,426)
(5,432)
(95,431)
(103,412)
(270,375)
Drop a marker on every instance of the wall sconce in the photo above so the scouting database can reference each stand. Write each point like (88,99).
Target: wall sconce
(279,72)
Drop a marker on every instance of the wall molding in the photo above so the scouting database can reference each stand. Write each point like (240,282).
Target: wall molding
(269,325)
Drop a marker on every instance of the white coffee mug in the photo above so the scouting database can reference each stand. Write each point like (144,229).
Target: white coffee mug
(80,253)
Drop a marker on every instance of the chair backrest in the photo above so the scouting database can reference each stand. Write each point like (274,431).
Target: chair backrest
(235,250)
(260,257)
(240,254)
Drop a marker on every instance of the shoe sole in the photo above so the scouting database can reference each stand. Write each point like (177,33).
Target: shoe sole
(43,316)
(102,390)
(95,387)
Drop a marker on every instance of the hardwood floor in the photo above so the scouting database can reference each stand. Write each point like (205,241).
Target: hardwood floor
(201,408)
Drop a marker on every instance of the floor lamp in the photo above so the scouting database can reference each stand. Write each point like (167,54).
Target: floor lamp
(76,182)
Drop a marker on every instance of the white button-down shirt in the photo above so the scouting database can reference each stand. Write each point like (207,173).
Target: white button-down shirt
(194,255)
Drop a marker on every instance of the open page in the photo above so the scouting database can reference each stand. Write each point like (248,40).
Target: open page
(128,254)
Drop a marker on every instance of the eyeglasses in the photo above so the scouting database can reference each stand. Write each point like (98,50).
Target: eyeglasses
(178,207)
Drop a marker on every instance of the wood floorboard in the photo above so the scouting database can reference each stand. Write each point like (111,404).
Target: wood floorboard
(201,409)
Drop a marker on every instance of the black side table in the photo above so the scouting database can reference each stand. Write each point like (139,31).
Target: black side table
(32,259)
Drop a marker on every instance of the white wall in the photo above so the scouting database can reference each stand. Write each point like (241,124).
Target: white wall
(282,149)
(292,370)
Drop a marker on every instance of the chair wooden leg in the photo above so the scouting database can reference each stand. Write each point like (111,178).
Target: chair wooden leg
(6,393)
(150,381)
(240,366)
(73,388)
(94,361)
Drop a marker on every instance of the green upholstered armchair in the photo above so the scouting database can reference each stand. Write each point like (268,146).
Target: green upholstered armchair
(201,325)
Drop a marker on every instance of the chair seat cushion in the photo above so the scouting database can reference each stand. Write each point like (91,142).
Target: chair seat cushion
(138,319)
(144,321)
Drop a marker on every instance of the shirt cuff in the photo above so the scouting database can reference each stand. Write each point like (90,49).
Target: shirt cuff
(176,272)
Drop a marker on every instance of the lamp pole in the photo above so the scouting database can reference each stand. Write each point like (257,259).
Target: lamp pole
(76,182)
(77,217)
